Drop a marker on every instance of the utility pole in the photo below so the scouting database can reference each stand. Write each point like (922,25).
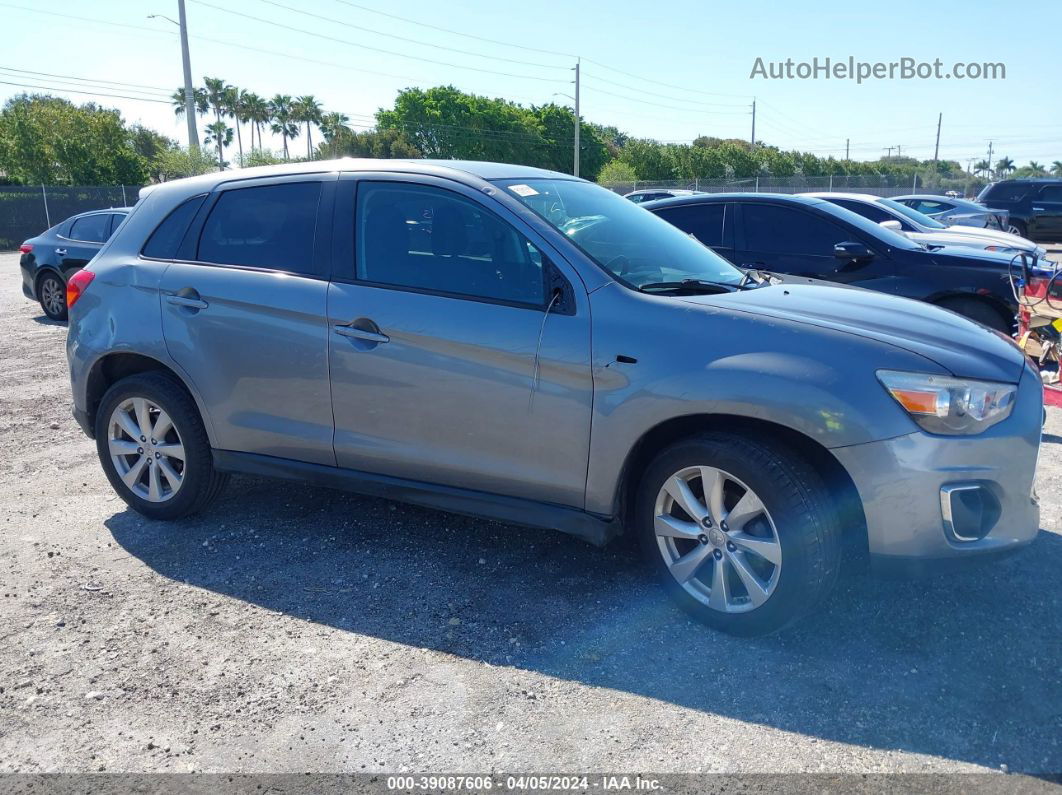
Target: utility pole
(846,142)
(889,150)
(936,149)
(189,95)
(991,170)
(899,150)
(753,139)
(578,123)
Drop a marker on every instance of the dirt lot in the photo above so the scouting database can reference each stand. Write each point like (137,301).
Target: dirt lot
(303,629)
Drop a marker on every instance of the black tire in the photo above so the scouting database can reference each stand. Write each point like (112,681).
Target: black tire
(1017,228)
(201,483)
(796,499)
(980,312)
(48,282)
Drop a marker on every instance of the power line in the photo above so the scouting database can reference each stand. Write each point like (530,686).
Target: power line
(661,105)
(667,85)
(334,21)
(373,49)
(88,19)
(655,93)
(90,93)
(85,79)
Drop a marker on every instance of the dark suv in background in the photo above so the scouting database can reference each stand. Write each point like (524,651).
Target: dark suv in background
(1035,206)
(816,239)
(50,259)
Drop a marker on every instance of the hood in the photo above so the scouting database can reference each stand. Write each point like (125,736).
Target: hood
(975,238)
(962,347)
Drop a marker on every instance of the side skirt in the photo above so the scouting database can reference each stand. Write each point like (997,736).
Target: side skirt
(590,527)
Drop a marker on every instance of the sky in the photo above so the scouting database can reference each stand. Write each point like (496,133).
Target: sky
(669,71)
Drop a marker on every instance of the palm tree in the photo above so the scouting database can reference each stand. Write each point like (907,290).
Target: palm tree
(332,126)
(1056,168)
(1004,166)
(307,109)
(199,101)
(1036,169)
(982,167)
(282,121)
(257,110)
(219,134)
(215,95)
(235,108)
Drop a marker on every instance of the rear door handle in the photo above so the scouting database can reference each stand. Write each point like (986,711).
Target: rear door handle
(188,301)
(61,252)
(361,334)
(1038,209)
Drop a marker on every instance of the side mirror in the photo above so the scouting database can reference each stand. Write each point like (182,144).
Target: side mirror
(892,224)
(852,251)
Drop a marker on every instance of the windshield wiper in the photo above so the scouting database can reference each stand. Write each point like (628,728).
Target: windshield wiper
(690,285)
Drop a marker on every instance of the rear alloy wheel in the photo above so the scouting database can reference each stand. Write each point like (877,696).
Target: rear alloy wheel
(741,532)
(1016,228)
(154,448)
(52,294)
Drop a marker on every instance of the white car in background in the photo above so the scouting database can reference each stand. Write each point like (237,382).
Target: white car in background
(955,211)
(928,231)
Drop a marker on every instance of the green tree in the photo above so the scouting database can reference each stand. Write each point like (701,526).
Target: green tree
(1004,166)
(235,104)
(1056,168)
(982,167)
(258,113)
(176,162)
(282,121)
(219,134)
(332,128)
(45,139)
(307,110)
(616,171)
(199,102)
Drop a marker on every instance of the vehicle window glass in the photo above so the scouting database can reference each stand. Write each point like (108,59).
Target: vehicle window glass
(1051,193)
(167,237)
(91,228)
(1004,191)
(116,219)
(703,221)
(789,231)
(432,239)
(926,206)
(868,211)
(270,226)
(913,214)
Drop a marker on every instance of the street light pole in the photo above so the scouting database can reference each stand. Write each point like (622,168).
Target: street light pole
(578,124)
(189,96)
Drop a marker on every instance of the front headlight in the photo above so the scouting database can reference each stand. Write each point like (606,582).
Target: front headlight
(950,405)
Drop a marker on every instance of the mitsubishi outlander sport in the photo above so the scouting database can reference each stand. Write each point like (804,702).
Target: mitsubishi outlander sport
(519,344)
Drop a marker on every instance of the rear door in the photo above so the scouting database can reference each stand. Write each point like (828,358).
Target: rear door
(1046,220)
(243,314)
(789,239)
(711,223)
(82,241)
(459,343)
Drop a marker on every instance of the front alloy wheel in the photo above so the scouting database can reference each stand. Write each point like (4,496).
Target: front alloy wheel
(717,539)
(146,449)
(742,531)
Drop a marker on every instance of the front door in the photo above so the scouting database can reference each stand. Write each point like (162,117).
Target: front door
(245,318)
(788,239)
(1045,223)
(459,352)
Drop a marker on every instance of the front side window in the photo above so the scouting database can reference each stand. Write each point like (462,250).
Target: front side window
(635,246)
(91,228)
(703,221)
(785,230)
(427,238)
(269,226)
(1003,192)
(1051,193)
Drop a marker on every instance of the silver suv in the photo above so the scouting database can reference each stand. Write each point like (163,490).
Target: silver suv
(517,344)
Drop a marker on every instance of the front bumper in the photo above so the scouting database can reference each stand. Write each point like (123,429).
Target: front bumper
(901,482)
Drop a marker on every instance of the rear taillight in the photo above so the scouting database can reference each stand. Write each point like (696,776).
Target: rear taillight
(26,248)
(77,285)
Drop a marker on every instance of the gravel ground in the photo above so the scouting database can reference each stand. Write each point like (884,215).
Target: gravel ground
(294,628)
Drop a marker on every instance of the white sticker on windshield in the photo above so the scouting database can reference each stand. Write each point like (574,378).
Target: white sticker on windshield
(523,190)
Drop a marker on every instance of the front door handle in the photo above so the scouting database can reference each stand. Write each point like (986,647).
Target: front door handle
(361,334)
(188,301)
(1038,209)
(61,252)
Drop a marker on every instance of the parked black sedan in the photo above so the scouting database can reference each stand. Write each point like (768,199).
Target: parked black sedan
(52,257)
(813,238)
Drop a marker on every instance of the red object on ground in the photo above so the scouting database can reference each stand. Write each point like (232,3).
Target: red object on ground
(1052,396)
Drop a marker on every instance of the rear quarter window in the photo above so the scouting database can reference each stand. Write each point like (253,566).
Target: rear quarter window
(166,239)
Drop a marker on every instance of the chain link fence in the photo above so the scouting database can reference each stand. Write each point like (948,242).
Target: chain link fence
(877,185)
(27,210)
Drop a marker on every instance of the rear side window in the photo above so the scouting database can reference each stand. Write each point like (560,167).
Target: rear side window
(1004,192)
(868,211)
(703,221)
(167,237)
(1051,193)
(91,228)
(785,230)
(270,226)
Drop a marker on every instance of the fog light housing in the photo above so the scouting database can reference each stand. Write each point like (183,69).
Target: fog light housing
(969,511)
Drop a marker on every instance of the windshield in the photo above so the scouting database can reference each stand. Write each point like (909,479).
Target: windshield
(914,215)
(629,242)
